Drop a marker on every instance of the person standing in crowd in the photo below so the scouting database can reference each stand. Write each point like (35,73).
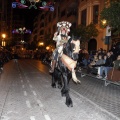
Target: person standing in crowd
(107,66)
(114,74)
(15,57)
(117,63)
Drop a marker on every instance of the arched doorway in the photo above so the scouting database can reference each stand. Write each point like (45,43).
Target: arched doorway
(92,45)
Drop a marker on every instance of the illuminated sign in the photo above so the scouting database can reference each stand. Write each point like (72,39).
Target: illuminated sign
(36,4)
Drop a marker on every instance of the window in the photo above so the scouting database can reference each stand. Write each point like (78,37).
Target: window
(72,12)
(95,14)
(83,17)
(42,32)
(42,24)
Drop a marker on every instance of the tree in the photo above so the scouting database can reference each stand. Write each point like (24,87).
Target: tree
(112,15)
(91,31)
(86,32)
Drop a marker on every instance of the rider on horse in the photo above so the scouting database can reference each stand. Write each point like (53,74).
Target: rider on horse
(61,37)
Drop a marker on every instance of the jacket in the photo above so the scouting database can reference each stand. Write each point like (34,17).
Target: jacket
(109,62)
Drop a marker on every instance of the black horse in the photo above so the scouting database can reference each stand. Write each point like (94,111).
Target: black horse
(62,74)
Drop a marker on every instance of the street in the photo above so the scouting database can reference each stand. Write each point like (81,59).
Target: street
(26,94)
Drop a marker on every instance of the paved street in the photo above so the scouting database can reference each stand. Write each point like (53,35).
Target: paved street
(26,94)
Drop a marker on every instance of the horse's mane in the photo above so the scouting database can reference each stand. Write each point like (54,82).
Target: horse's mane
(67,50)
(69,47)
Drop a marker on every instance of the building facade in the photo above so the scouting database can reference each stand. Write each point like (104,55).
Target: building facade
(75,11)
(89,12)
(45,23)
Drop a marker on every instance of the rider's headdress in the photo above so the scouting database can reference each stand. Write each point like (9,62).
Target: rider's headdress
(64,24)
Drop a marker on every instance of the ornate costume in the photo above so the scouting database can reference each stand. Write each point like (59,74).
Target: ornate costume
(61,37)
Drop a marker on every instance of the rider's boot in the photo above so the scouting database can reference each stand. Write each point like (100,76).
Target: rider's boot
(53,63)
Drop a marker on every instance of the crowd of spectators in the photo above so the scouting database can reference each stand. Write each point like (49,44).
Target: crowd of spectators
(5,56)
(101,61)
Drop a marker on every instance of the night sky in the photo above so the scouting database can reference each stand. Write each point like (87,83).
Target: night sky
(28,16)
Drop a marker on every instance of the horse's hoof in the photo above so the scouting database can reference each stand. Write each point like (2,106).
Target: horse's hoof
(63,94)
(59,86)
(54,86)
(79,82)
(69,105)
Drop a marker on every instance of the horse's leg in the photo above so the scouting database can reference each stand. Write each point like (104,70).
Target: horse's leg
(68,98)
(65,87)
(59,81)
(53,80)
(69,102)
(65,91)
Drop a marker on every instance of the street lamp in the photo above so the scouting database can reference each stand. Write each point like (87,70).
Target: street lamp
(47,48)
(40,45)
(3,38)
(104,22)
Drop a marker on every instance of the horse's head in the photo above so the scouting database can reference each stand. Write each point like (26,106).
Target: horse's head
(72,48)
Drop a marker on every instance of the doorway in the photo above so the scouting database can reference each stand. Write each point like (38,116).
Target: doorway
(92,45)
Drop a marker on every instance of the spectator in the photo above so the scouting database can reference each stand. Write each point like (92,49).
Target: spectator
(114,57)
(90,66)
(85,57)
(101,66)
(107,66)
(117,63)
(114,74)
(15,57)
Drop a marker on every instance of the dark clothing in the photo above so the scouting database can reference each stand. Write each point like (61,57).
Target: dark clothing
(15,56)
(1,63)
(117,64)
(109,62)
(114,57)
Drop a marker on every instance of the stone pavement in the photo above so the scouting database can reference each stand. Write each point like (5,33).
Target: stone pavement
(26,94)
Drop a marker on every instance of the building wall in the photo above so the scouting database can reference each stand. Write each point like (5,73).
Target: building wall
(70,10)
(50,19)
(88,5)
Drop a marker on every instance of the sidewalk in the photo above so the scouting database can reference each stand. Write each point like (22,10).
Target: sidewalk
(105,97)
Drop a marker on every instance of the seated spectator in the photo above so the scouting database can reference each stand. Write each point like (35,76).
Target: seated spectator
(101,66)
(113,56)
(107,66)
(99,62)
(117,63)
(93,62)
(100,52)
(114,74)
